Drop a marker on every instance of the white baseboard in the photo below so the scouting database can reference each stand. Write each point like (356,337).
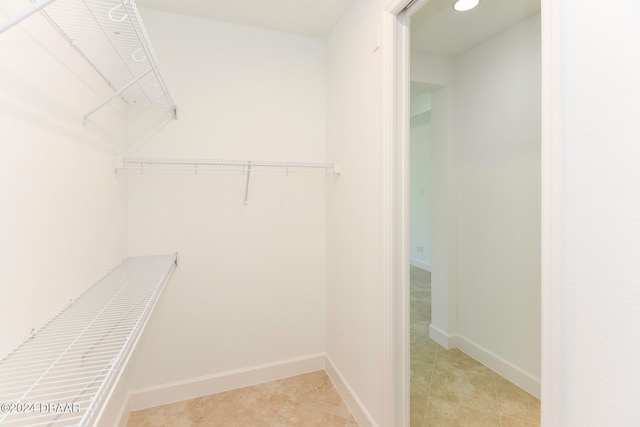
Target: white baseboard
(231,380)
(420,264)
(123,415)
(355,405)
(446,340)
(116,410)
(522,379)
(225,381)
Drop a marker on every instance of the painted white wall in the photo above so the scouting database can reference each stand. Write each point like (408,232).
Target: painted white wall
(436,73)
(354,204)
(63,215)
(420,181)
(486,208)
(420,102)
(250,285)
(597,236)
(497,143)
(444,228)
(427,68)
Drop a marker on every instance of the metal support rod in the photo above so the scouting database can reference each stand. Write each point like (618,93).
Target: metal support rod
(246,188)
(330,167)
(116,94)
(35,7)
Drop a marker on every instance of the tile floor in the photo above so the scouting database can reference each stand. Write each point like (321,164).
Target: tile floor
(448,388)
(308,400)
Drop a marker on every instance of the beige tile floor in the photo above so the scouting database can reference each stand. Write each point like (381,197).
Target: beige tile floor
(448,388)
(308,400)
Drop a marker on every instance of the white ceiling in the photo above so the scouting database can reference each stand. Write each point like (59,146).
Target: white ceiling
(306,17)
(437,28)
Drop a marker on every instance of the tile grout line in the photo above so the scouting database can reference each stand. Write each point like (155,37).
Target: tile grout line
(323,410)
(495,390)
(499,406)
(271,394)
(424,412)
(433,370)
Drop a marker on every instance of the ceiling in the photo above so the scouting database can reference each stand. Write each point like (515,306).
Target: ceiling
(305,17)
(437,28)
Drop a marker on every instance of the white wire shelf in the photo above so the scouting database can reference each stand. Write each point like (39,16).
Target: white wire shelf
(142,165)
(147,164)
(62,375)
(111,36)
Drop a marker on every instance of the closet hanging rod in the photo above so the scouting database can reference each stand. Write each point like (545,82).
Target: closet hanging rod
(116,94)
(135,163)
(246,167)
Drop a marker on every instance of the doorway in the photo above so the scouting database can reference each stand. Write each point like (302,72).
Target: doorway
(476,293)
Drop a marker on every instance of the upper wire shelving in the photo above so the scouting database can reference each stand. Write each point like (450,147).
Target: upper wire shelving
(111,36)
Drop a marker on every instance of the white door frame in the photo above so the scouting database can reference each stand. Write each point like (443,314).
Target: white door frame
(396,80)
(395,174)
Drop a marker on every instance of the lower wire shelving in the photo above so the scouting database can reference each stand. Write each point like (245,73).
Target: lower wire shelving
(63,374)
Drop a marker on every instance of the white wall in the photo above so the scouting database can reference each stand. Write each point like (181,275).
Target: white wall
(250,285)
(420,181)
(63,215)
(434,71)
(437,73)
(486,208)
(596,239)
(354,204)
(497,138)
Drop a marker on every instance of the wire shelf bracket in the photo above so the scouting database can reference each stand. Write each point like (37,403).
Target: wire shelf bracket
(64,372)
(111,37)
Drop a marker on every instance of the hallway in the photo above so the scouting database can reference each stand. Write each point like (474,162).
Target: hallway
(449,388)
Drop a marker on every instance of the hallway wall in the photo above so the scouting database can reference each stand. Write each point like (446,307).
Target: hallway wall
(420,181)
(497,146)
(486,229)
(437,73)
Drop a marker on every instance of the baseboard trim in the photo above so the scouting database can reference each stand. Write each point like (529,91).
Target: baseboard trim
(125,410)
(446,340)
(190,389)
(420,264)
(355,405)
(516,375)
(225,381)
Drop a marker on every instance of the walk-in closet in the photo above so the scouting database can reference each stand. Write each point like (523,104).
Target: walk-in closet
(203,206)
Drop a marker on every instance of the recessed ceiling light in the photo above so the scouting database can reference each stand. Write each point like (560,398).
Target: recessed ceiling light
(464,5)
